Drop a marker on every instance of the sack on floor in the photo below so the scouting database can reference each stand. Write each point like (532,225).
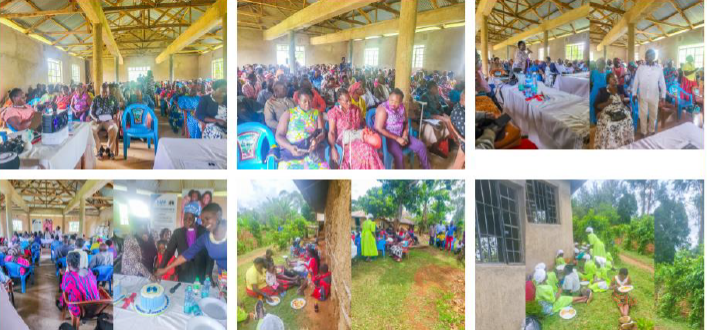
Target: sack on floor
(104,322)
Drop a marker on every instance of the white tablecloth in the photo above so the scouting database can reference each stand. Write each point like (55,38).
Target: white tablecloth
(575,84)
(66,155)
(674,138)
(191,154)
(559,122)
(172,318)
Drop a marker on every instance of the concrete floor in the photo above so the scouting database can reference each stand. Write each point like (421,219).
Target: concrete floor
(37,305)
(139,157)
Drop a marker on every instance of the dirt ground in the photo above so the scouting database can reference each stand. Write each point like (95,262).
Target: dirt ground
(431,279)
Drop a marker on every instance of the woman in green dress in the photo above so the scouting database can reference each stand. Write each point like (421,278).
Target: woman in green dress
(368,239)
(300,133)
(551,301)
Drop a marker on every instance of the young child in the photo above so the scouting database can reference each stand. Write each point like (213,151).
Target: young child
(322,283)
(161,248)
(271,278)
(623,300)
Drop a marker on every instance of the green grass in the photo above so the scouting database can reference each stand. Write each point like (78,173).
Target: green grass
(293,319)
(602,312)
(384,294)
(648,260)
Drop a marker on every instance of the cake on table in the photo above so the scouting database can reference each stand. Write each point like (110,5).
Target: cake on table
(152,297)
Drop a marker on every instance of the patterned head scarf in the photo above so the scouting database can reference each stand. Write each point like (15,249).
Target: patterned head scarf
(193,208)
(353,88)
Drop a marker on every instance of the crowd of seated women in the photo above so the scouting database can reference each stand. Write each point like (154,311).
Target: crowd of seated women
(327,106)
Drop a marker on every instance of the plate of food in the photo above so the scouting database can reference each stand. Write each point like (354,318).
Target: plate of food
(625,288)
(568,313)
(584,283)
(298,303)
(274,301)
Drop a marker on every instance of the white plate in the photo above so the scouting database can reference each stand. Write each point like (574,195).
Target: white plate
(293,302)
(627,288)
(568,316)
(213,308)
(584,283)
(276,301)
(204,323)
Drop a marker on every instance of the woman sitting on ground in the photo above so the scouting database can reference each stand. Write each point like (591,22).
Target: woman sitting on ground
(300,134)
(212,111)
(623,300)
(552,300)
(77,284)
(322,283)
(615,125)
(358,155)
(20,116)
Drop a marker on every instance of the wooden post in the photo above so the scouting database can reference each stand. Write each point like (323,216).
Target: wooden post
(171,67)
(587,48)
(224,30)
(293,61)
(351,44)
(406,43)
(117,70)
(484,45)
(82,215)
(8,216)
(546,45)
(605,54)
(631,42)
(97,58)
(508,53)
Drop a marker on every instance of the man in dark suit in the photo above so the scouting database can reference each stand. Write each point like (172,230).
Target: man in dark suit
(182,238)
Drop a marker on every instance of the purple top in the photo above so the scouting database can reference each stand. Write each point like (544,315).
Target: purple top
(191,236)
(396,119)
(80,103)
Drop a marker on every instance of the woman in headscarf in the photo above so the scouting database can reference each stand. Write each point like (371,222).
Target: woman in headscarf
(368,239)
(78,284)
(597,80)
(358,155)
(615,124)
(380,90)
(139,253)
(552,301)
(355,92)
(15,255)
(81,103)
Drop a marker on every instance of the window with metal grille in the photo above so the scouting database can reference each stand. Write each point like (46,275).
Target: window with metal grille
(17,225)
(541,203)
(54,67)
(574,51)
(283,54)
(498,231)
(134,73)
(74,227)
(418,56)
(371,56)
(696,51)
(217,69)
(75,73)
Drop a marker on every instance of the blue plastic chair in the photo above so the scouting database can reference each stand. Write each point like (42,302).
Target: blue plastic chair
(387,157)
(105,274)
(137,128)
(90,256)
(36,251)
(338,148)
(33,102)
(380,245)
(676,92)
(94,251)
(13,271)
(254,142)
(60,264)
(2,259)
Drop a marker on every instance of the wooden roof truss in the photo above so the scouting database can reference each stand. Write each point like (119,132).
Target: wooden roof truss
(56,194)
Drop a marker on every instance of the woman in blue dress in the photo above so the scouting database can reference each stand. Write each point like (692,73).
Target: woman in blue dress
(597,80)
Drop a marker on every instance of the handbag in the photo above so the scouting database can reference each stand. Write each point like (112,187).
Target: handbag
(617,116)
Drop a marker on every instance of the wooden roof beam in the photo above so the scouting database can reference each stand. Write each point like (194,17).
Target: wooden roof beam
(568,17)
(11,194)
(635,14)
(94,12)
(484,9)
(87,190)
(209,20)
(68,10)
(313,14)
(169,5)
(449,14)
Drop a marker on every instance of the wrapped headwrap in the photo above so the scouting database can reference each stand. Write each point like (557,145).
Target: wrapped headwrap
(601,261)
(632,64)
(540,266)
(193,208)
(590,230)
(353,88)
(539,276)
(587,257)
(559,252)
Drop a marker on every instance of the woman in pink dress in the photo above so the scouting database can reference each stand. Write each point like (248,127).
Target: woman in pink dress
(359,155)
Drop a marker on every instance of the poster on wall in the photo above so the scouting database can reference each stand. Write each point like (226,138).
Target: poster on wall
(164,211)
(196,197)
(48,225)
(36,225)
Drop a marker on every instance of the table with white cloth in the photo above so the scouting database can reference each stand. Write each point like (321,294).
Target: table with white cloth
(560,121)
(77,150)
(172,318)
(191,154)
(678,137)
(573,83)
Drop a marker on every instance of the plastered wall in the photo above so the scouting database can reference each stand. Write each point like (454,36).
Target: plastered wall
(185,67)
(444,49)
(500,296)
(557,47)
(668,48)
(23,61)
(205,60)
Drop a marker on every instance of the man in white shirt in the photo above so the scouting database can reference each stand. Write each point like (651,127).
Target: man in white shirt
(560,67)
(650,83)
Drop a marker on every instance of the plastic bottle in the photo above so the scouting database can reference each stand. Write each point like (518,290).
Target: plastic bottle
(197,288)
(71,120)
(535,83)
(206,290)
(521,82)
(188,300)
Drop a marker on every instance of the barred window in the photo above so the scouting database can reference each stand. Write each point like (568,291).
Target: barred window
(540,201)
(498,231)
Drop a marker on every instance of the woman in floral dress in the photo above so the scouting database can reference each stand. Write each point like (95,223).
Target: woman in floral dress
(615,125)
(300,134)
(358,155)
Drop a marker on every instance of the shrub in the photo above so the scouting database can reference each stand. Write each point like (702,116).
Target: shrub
(679,283)
(534,309)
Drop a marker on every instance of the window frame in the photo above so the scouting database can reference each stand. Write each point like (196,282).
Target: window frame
(369,53)
(216,68)
(540,189)
(54,71)
(77,224)
(137,69)
(699,61)
(15,223)
(508,198)
(418,56)
(579,55)
(76,73)
(300,54)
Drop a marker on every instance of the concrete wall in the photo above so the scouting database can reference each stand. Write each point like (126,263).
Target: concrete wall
(23,61)
(557,47)
(500,296)
(186,67)
(338,248)
(668,48)
(543,240)
(204,70)
(611,52)
(444,49)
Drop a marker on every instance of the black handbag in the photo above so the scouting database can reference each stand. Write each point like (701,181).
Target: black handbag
(617,116)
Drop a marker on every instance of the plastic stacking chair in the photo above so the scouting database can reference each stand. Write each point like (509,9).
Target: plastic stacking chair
(94,252)
(3,136)
(88,309)
(13,271)
(380,245)
(60,265)
(387,157)
(2,259)
(105,274)
(338,148)
(254,143)
(36,252)
(137,114)
(677,93)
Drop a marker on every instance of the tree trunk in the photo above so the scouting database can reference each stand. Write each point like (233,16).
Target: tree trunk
(399,217)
